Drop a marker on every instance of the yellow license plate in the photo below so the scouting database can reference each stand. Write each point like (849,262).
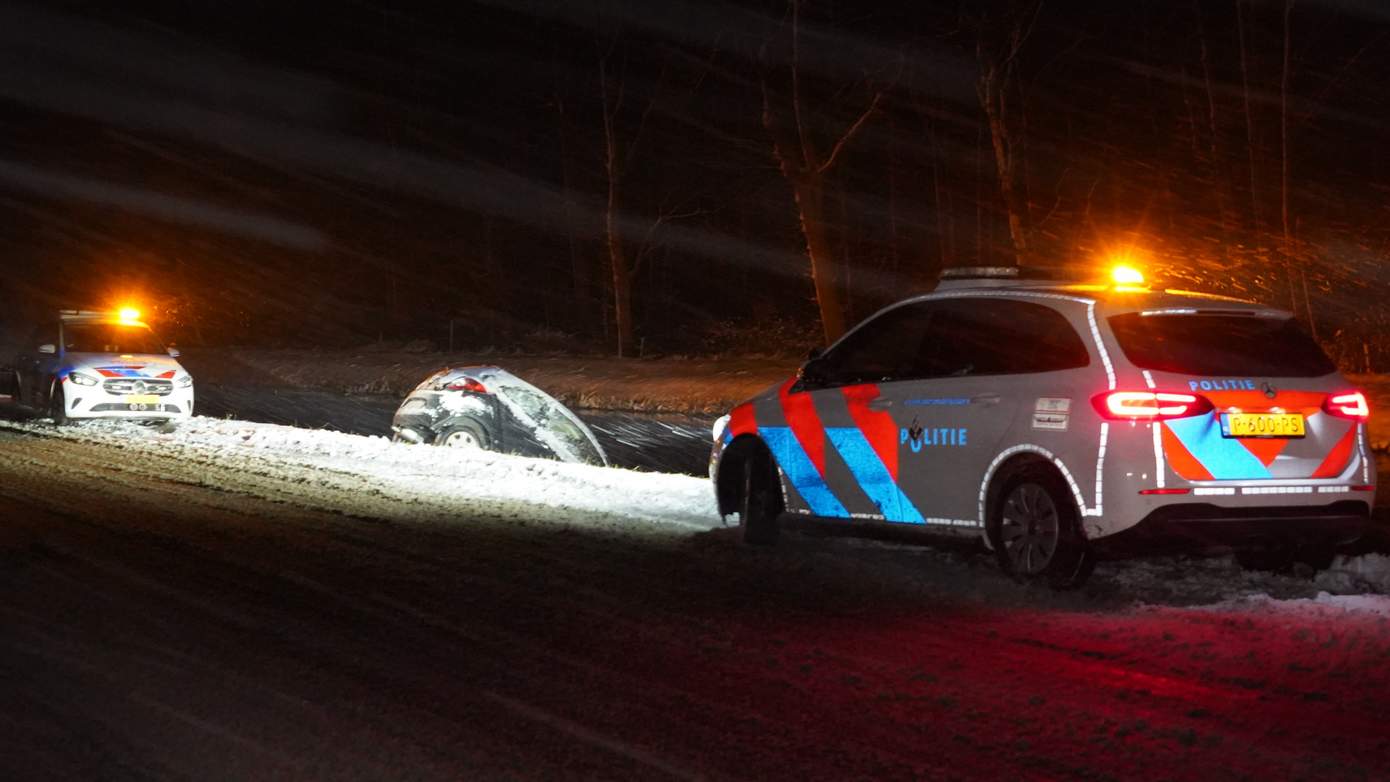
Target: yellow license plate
(1262,425)
(142,399)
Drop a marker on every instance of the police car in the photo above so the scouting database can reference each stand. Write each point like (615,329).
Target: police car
(84,364)
(1063,422)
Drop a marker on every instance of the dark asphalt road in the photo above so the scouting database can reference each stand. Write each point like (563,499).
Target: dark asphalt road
(153,629)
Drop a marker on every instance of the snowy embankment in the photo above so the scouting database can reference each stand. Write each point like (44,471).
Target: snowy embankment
(370,476)
(438,478)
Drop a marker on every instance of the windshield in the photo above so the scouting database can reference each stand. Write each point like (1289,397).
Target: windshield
(110,338)
(570,439)
(1220,344)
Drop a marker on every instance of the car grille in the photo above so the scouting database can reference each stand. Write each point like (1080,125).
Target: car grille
(124,386)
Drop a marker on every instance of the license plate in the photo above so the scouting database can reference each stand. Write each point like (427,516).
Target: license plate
(1262,425)
(142,399)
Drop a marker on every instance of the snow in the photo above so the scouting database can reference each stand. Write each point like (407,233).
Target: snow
(416,473)
(432,484)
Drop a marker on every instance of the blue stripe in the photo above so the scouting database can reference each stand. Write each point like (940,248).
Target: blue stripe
(1226,459)
(804,477)
(872,475)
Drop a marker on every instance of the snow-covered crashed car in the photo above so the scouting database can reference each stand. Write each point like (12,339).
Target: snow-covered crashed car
(83,365)
(489,408)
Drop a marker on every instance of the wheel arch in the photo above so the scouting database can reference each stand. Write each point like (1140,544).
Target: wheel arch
(728,480)
(1007,464)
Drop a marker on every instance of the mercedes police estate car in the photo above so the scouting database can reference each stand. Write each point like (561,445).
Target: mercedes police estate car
(1063,422)
(101,365)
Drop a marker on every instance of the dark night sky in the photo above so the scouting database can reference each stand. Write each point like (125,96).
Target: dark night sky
(351,171)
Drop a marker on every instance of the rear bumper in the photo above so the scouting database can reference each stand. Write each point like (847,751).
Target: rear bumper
(1203,527)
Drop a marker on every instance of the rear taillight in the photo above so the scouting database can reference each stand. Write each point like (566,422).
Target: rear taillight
(466,384)
(1148,405)
(1348,405)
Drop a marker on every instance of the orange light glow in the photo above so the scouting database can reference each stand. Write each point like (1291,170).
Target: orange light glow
(1123,274)
(129,314)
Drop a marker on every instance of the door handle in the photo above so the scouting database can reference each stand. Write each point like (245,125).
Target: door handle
(879,404)
(985,399)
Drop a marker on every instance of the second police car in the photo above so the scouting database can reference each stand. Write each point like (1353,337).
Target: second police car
(1063,422)
(97,364)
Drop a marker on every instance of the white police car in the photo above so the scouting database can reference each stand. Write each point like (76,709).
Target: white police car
(83,365)
(1063,422)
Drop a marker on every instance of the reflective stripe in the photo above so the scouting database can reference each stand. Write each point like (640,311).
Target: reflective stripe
(873,476)
(800,472)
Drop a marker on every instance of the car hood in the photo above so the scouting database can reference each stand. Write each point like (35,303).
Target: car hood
(140,365)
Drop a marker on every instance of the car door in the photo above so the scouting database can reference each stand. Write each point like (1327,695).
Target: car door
(983,365)
(35,368)
(841,418)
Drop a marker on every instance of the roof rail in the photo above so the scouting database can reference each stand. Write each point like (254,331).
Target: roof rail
(994,277)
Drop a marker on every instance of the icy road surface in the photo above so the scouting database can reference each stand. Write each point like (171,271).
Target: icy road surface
(250,601)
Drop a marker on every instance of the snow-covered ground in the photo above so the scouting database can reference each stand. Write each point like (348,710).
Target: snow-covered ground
(570,493)
(436,481)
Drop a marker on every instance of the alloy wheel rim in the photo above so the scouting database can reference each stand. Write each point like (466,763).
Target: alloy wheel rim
(461,440)
(1029,528)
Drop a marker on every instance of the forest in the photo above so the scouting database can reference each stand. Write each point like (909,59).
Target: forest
(636,178)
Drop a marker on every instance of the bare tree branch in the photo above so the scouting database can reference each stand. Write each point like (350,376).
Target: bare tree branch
(850,134)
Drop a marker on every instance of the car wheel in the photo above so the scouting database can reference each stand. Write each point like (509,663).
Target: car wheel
(1318,556)
(1267,559)
(1035,530)
(760,502)
(466,436)
(58,406)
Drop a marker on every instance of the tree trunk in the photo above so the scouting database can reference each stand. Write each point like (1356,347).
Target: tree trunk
(1249,122)
(810,201)
(991,100)
(617,260)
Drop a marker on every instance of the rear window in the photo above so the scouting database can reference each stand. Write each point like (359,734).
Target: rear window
(1220,344)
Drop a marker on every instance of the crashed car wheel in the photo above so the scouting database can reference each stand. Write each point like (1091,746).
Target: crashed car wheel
(462,436)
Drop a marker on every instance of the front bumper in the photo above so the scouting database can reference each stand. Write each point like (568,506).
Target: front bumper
(1197,527)
(87,402)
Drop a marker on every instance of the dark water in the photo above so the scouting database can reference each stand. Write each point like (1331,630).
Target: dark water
(664,443)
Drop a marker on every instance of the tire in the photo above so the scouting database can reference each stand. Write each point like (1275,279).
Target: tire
(1269,559)
(1318,556)
(760,499)
(463,435)
(58,406)
(1035,530)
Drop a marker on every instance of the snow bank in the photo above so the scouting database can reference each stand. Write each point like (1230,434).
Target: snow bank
(420,472)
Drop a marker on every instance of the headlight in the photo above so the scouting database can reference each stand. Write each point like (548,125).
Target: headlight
(719,427)
(81,379)
(184,382)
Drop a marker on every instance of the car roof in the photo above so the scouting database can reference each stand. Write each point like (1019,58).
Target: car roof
(1112,299)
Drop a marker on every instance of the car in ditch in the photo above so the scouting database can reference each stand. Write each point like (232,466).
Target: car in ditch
(489,408)
(94,364)
(1063,423)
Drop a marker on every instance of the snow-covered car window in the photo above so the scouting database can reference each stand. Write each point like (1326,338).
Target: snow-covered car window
(109,338)
(549,417)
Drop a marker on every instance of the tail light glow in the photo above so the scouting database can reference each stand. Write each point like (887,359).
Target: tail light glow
(1165,491)
(1348,405)
(1148,405)
(467,384)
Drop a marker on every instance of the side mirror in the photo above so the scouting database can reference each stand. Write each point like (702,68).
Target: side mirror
(174,352)
(810,373)
(48,349)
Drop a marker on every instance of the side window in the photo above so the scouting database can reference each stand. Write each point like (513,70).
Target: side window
(882,349)
(980,336)
(45,334)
